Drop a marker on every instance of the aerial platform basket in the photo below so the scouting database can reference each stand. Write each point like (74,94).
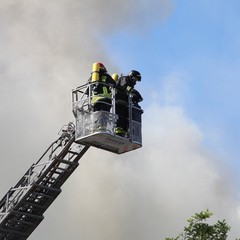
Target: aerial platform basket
(98,128)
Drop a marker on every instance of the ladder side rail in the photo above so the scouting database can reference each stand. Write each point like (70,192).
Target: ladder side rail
(72,156)
(13,195)
(48,172)
(64,176)
(12,198)
(51,149)
(60,146)
(60,178)
(56,162)
(46,167)
(24,181)
(63,162)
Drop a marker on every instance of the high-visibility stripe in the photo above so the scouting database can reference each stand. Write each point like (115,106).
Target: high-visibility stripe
(105,90)
(104,78)
(99,97)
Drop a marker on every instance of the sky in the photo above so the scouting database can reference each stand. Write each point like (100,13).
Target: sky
(188,55)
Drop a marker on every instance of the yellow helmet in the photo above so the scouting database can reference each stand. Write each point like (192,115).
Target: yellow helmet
(115,76)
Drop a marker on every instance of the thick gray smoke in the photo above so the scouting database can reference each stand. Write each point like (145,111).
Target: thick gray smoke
(47,48)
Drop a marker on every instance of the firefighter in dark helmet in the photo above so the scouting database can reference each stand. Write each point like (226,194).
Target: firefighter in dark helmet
(125,86)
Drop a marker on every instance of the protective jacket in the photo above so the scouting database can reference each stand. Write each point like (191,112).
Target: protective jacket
(100,90)
(137,97)
(125,83)
(124,87)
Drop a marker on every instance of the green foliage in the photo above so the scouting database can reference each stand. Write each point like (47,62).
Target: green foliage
(199,229)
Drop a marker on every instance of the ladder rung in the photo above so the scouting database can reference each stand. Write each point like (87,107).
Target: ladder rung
(48,188)
(6,230)
(68,162)
(55,171)
(62,169)
(26,222)
(44,195)
(74,153)
(49,180)
(34,204)
(27,214)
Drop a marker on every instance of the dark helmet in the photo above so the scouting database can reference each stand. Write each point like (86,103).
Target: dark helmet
(135,75)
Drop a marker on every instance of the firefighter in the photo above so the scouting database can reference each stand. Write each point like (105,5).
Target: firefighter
(128,82)
(101,99)
(125,86)
(101,94)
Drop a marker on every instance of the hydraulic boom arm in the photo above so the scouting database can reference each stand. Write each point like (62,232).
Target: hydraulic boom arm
(22,208)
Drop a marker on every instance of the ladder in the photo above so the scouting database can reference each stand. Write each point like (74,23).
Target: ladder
(22,208)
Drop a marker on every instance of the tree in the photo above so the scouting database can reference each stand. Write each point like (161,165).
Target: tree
(199,229)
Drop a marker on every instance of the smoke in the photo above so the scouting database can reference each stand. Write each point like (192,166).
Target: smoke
(148,193)
(47,49)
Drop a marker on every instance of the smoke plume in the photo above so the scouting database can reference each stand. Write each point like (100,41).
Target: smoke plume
(47,48)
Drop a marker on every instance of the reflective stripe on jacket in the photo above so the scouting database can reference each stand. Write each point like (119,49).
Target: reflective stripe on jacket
(101,91)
